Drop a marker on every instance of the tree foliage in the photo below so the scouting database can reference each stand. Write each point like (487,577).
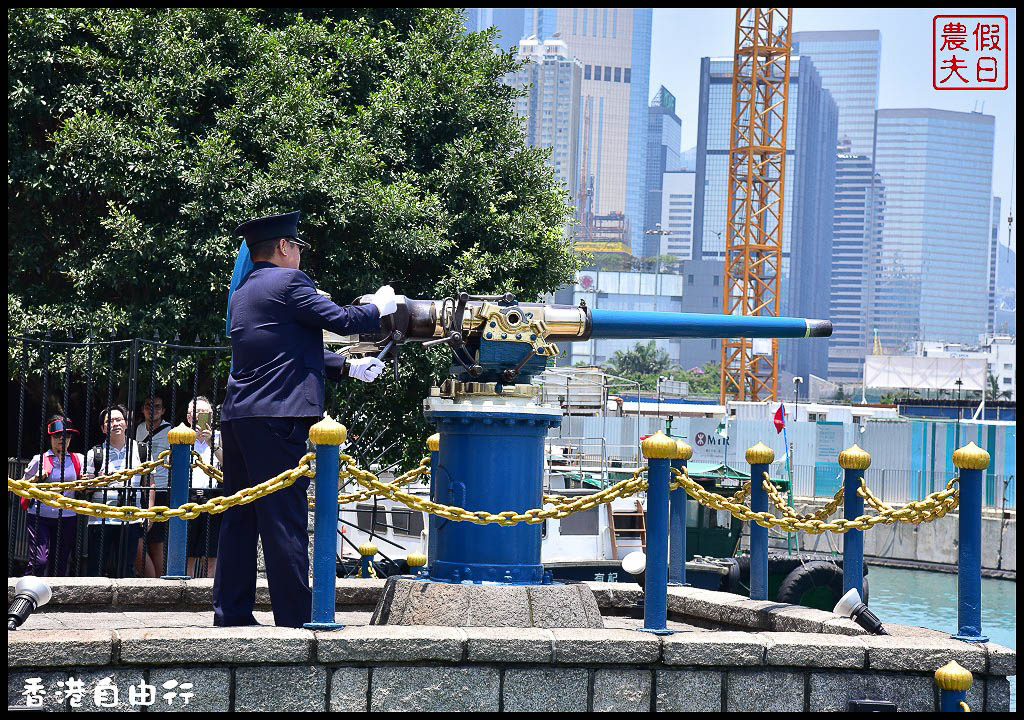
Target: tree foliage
(139,138)
(645,363)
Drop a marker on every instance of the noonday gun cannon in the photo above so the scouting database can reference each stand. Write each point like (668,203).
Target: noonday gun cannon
(496,339)
(491,418)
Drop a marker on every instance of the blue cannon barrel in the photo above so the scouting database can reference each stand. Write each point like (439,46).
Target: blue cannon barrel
(638,325)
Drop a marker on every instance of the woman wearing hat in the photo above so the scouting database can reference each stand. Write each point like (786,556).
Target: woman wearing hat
(51,531)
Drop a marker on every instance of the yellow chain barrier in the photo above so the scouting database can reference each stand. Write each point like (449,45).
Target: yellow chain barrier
(160,513)
(933,506)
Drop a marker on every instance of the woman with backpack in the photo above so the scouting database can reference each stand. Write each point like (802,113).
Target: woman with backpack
(51,531)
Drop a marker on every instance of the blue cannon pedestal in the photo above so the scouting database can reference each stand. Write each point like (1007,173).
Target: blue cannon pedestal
(491,458)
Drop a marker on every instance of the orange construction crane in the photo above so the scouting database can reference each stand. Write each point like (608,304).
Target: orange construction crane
(757,173)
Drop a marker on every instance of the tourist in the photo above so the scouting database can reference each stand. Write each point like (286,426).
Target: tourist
(152,437)
(203,531)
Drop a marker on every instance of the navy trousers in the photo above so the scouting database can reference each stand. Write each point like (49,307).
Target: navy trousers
(255,450)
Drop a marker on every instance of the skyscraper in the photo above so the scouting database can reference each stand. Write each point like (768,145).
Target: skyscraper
(664,131)
(508,21)
(993,266)
(614,46)
(676,217)
(807,214)
(934,255)
(854,239)
(848,62)
(550,105)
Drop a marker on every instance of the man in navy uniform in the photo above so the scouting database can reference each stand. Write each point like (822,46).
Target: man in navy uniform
(275,392)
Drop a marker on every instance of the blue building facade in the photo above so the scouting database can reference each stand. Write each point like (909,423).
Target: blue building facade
(933,266)
(807,214)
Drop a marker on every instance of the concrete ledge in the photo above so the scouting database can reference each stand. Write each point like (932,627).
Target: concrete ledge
(823,651)
(714,648)
(592,646)
(533,645)
(73,590)
(59,648)
(207,645)
(917,654)
(147,592)
(1001,660)
(391,643)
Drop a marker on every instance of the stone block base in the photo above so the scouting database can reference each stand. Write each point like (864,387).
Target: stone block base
(409,601)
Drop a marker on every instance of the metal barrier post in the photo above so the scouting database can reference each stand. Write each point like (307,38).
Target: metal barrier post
(366,551)
(181,440)
(677,512)
(954,681)
(972,461)
(854,461)
(658,449)
(434,446)
(760,457)
(327,435)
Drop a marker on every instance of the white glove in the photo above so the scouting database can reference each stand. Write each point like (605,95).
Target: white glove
(384,299)
(366,369)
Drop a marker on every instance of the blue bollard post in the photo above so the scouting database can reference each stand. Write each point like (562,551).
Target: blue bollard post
(327,435)
(972,461)
(659,449)
(759,457)
(181,440)
(954,681)
(434,446)
(854,461)
(366,551)
(677,512)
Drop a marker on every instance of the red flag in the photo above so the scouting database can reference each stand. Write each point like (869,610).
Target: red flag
(780,418)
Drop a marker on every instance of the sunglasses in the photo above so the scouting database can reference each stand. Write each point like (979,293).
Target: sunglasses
(302,245)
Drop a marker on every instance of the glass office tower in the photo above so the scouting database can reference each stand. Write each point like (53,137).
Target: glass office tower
(807,215)
(848,62)
(664,132)
(934,255)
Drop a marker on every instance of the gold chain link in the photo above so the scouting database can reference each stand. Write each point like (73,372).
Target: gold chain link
(933,506)
(824,514)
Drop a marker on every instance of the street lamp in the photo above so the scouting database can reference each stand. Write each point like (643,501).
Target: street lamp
(959,384)
(796,392)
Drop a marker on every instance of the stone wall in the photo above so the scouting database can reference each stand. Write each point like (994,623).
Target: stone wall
(932,543)
(748,656)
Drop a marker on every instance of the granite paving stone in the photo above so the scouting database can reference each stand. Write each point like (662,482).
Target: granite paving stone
(559,606)
(832,691)
(211,689)
(794,618)
(59,648)
(997,695)
(1001,660)
(622,691)
(209,645)
(710,648)
(545,690)
(915,654)
(286,688)
(807,650)
(47,696)
(764,691)
(498,606)
(397,688)
(147,592)
(348,689)
(689,691)
(842,626)
(391,643)
(533,645)
(591,645)
(110,690)
(750,613)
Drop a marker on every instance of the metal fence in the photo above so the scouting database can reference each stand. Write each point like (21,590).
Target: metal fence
(79,380)
(896,486)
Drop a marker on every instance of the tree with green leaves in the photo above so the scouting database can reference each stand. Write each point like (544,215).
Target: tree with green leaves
(643,359)
(139,138)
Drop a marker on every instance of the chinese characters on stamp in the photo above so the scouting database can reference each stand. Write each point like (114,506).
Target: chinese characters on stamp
(970,52)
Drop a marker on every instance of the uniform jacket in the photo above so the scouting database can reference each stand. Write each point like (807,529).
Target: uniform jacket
(278,355)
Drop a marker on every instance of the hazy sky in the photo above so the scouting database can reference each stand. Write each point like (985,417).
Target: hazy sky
(683,36)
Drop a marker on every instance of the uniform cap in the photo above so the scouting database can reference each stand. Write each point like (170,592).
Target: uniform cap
(270,228)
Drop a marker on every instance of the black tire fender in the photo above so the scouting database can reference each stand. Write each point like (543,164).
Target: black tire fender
(807,577)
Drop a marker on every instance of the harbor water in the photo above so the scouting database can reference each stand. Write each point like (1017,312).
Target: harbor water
(928,599)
